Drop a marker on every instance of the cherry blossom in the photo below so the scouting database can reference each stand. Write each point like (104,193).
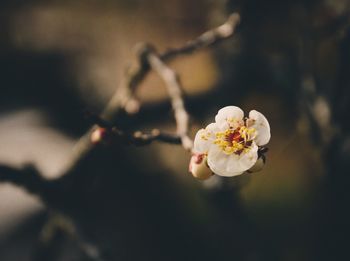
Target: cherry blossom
(230,145)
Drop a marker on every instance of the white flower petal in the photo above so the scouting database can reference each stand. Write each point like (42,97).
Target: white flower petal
(204,138)
(212,127)
(217,161)
(243,162)
(201,144)
(262,126)
(223,172)
(231,165)
(228,113)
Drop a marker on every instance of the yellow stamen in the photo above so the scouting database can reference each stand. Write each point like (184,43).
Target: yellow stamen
(229,143)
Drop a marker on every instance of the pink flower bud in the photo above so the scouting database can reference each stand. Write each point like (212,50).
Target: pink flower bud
(199,167)
(99,135)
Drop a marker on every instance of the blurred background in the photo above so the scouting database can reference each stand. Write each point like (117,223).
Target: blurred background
(289,60)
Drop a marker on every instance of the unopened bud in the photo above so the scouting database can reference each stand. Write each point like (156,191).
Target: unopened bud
(199,167)
(99,135)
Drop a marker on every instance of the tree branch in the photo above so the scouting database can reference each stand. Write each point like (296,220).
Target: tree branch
(137,72)
(123,99)
(27,177)
(174,89)
(51,234)
(140,138)
(107,133)
(211,37)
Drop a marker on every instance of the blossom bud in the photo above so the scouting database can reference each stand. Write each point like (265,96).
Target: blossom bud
(99,135)
(199,167)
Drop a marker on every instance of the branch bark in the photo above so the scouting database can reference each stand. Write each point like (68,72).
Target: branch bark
(174,89)
(27,177)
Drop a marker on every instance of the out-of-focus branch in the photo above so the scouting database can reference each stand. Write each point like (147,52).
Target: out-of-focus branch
(135,74)
(107,133)
(174,89)
(55,227)
(138,138)
(206,39)
(121,99)
(27,177)
(313,100)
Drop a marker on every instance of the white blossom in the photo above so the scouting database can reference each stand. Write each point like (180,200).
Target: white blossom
(230,144)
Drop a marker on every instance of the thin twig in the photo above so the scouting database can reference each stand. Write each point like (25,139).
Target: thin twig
(206,39)
(174,89)
(139,138)
(108,136)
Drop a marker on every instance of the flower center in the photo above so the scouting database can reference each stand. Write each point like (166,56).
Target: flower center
(235,141)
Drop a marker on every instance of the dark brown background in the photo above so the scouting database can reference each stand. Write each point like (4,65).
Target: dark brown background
(289,60)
